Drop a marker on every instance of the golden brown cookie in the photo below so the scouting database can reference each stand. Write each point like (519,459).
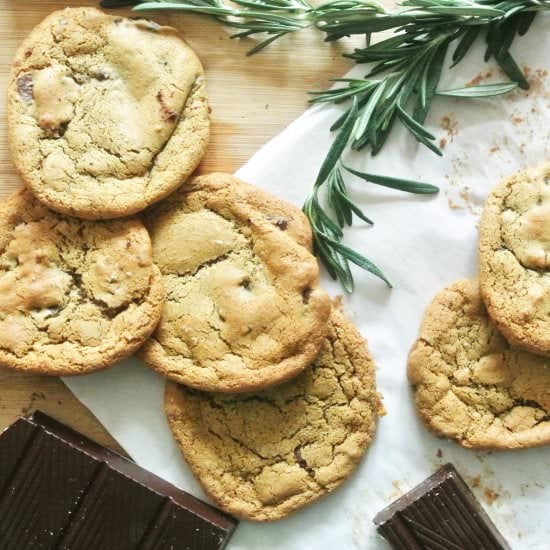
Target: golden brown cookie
(265,455)
(514,258)
(243,308)
(106,115)
(75,296)
(470,384)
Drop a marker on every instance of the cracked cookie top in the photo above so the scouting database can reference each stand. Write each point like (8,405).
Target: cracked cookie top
(470,384)
(243,308)
(106,115)
(75,296)
(514,258)
(264,455)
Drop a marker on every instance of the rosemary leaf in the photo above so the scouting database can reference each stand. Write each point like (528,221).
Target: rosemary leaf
(510,67)
(261,45)
(333,262)
(525,22)
(358,259)
(338,146)
(343,214)
(468,38)
(410,186)
(466,11)
(430,81)
(368,110)
(413,125)
(322,219)
(355,209)
(483,90)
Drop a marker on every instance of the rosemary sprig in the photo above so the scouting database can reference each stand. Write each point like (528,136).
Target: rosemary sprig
(400,86)
(272,18)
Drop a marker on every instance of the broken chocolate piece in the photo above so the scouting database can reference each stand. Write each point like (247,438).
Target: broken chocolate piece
(61,490)
(441,513)
(279,221)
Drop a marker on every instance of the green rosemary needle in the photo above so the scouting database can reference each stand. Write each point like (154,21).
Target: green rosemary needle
(402,81)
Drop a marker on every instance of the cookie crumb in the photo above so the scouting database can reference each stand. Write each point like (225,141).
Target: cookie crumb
(479,78)
(450,125)
(517,120)
(475,481)
(490,495)
(35,396)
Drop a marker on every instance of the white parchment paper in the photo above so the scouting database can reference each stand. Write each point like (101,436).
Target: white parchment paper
(422,244)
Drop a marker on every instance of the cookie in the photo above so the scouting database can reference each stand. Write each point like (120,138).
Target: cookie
(470,384)
(75,295)
(106,115)
(514,259)
(264,455)
(243,309)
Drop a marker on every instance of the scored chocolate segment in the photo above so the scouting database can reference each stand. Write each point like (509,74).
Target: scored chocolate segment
(441,513)
(61,490)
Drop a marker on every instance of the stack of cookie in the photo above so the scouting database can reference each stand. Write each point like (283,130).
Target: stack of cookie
(215,283)
(244,313)
(480,368)
(105,116)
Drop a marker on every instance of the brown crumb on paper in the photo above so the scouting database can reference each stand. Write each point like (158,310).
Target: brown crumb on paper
(442,143)
(517,120)
(479,78)
(535,77)
(474,481)
(490,495)
(450,125)
(466,195)
(459,197)
(439,453)
(453,205)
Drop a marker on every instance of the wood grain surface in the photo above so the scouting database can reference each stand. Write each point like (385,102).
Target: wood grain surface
(252,100)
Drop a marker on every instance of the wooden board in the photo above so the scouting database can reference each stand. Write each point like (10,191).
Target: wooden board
(252,100)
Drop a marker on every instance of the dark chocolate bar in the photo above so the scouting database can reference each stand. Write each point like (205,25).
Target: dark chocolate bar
(441,513)
(61,490)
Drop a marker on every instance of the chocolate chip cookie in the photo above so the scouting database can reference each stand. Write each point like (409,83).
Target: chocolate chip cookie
(514,258)
(243,309)
(264,455)
(470,384)
(75,296)
(106,115)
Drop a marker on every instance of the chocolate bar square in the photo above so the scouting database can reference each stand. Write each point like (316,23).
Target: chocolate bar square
(441,513)
(61,490)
